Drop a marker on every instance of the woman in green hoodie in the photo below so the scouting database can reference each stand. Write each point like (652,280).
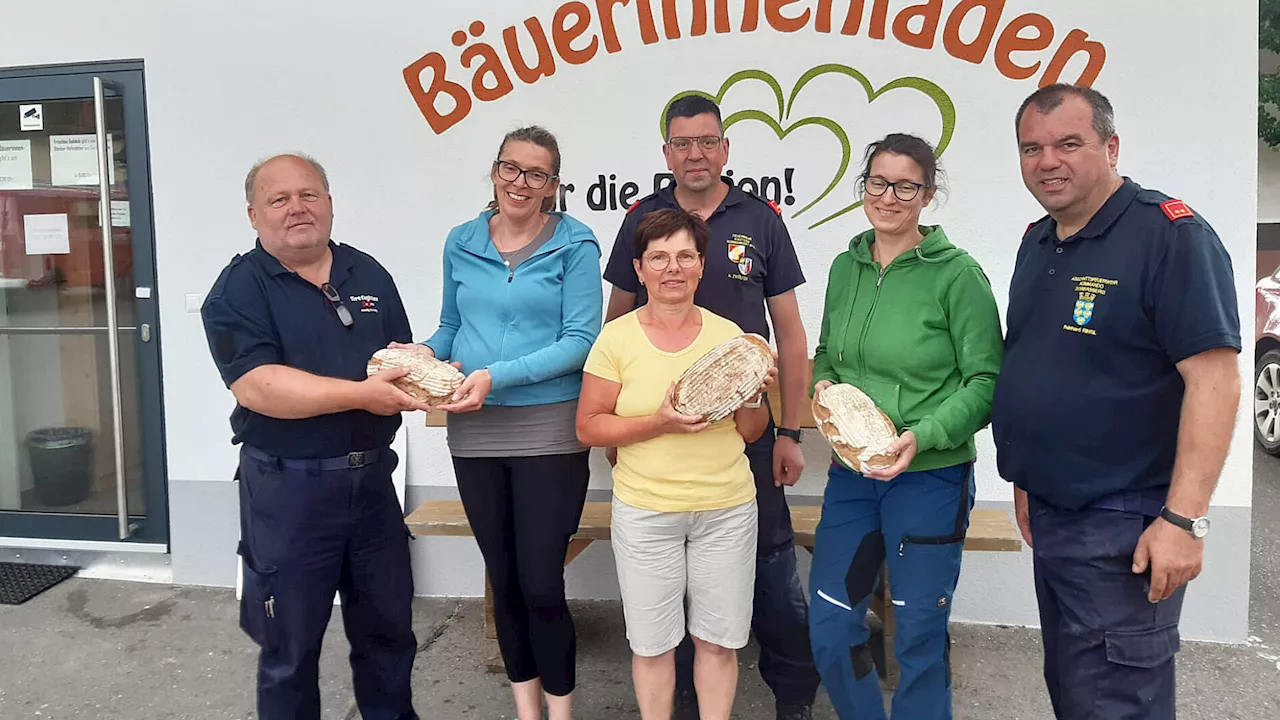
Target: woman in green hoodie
(910,320)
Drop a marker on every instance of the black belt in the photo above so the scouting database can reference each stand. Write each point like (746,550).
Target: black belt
(350,461)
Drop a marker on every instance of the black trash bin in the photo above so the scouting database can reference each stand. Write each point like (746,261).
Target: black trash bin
(61,464)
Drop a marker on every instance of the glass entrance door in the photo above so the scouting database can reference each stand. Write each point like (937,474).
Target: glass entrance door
(80,413)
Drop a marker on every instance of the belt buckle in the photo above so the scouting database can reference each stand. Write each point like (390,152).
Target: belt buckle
(356,459)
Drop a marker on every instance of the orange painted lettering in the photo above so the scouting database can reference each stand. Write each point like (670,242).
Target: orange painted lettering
(604,8)
(722,17)
(648,31)
(975,51)
(563,35)
(699,19)
(750,15)
(546,65)
(670,21)
(1011,41)
(491,66)
(930,14)
(879,14)
(425,98)
(773,15)
(1076,41)
(852,20)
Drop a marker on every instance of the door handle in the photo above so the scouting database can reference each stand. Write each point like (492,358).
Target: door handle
(145,332)
(109,282)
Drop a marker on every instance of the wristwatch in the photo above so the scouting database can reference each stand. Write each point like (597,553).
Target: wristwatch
(1198,527)
(789,433)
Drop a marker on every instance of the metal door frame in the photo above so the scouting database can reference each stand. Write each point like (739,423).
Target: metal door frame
(76,81)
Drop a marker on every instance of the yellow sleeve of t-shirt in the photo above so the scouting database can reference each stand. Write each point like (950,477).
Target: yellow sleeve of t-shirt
(602,360)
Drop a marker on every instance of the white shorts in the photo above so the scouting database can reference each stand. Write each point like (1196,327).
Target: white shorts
(710,554)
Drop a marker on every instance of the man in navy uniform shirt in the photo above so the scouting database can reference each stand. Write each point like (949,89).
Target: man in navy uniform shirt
(750,263)
(1114,407)
(291,326)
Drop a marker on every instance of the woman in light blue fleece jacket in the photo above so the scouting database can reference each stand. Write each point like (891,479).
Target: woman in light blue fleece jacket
(522,307)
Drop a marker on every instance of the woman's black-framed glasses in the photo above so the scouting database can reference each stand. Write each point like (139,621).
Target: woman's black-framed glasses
(331,294)
(510,172)
(660,261)
(903,189)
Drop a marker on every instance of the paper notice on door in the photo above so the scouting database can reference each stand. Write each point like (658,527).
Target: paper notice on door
(15,165)
(119,214)
(73,159)
(46,234)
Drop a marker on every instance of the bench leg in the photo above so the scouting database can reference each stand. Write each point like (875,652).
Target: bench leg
(494,663)
(882,646)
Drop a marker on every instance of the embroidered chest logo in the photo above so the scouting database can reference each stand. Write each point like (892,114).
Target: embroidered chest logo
(368,303)
(738,245)
(1090,290)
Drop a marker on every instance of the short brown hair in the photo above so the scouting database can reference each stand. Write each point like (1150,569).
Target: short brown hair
(1050,97)
(666,222)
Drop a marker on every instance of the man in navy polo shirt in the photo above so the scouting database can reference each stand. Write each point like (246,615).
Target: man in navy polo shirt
(1114,407)
(750,263)
(291,326)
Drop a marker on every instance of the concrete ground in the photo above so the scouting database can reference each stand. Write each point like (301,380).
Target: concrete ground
(103,649)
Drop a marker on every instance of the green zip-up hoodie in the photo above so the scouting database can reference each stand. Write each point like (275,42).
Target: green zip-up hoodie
(921,337)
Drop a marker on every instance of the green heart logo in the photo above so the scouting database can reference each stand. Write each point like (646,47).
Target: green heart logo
(781,128)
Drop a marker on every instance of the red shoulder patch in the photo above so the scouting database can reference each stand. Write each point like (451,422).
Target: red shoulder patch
(634,205)
(775,207)
(1176,209)
(1029,226)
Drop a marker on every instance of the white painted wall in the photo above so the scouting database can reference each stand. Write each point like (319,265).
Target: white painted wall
(230,82)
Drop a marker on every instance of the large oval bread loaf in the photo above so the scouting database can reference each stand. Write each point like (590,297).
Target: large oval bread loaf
(429,380)
(857,430)
(724,378)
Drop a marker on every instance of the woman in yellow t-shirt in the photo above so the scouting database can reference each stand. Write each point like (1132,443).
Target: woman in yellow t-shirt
(684,509)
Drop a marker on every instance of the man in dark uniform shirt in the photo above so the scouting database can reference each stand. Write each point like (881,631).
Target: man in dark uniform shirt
(1114,407)
(291,326)
(750,263)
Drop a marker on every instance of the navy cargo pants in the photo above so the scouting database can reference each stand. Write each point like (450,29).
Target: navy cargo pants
(309,528)
(780,611)
(916,523)
(1108,651)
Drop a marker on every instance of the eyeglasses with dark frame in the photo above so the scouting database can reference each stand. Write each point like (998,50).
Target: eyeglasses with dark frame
(511,172)
(904,190)
(661,260)
(331,294)
(684,144)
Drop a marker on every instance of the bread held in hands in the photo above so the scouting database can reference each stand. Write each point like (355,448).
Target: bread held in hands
(858,431)
(727,376)
(429,380)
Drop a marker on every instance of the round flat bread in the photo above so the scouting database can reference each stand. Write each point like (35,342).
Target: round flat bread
(429,380)
(724,378)
(857,430)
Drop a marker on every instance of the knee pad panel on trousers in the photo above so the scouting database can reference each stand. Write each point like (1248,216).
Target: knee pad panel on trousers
(864,569)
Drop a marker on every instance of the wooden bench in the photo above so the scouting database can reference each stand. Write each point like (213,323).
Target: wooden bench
(989,530)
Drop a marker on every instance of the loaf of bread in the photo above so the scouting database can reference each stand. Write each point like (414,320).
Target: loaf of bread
(429,380)
(724,378)
(857,430)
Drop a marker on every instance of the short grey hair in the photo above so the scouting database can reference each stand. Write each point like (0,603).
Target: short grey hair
(252,178)
(1050,97)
